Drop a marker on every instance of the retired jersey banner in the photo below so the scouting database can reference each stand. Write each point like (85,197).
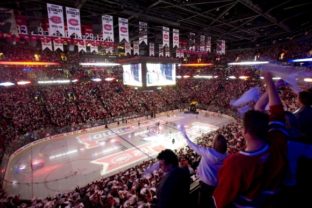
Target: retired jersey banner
(73,22)
(192,41)
(127,49)
(94,47)
(7,21)
(175,38)
(21,23)
(208,44)
(58,44)
(167,52)
(136,48)
(220,47)
(123,30)
(56,20)
(82,46)
(46,43)
(152,49)
(166,39)
(108,28)
(161,50)
(202,43)
(143,32)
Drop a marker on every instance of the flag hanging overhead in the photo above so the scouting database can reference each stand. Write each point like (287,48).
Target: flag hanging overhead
(136,48)
(208,44)
(73,22)
(56,20)
(142,32)
(175,38)
(152,49)
(108,28)
(127,49)
(46,43)
(58,44)
(161,50)
(202,43)
(220,47)
(123,30)
(166,39)
(192,41)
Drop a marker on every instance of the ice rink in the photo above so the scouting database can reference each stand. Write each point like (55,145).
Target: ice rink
(61,163)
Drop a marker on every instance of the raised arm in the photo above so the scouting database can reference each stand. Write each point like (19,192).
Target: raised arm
(197,148)
(262,102)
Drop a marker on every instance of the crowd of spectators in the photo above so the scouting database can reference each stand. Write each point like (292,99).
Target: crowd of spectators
(37,108)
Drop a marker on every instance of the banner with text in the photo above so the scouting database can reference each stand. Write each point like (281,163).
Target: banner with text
(135,47)
(161,50)
(127,49)
(151,49)
(202,43)
(175,38)
(220,47)
(73,22)
(208,44)
(58,44)
(108,28)
(56,20)
(166,39)
(123,30)
(192,41)
(46,43)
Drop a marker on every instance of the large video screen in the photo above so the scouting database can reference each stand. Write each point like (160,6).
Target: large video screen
(160,74)
(132,75)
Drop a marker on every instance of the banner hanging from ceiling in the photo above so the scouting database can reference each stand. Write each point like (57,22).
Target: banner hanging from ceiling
(136,48)
(192,41)
(123,30)
(73,22)
(46,43)
(208,44)
(108,28)
(161,50)
(151,49)
(220,47)
(58,44)
(175,38)
(127,49)
(202,43)
(56,20)
(166,39)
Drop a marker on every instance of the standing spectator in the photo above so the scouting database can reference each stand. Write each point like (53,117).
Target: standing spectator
(252,177)
(173,189)
(209,165)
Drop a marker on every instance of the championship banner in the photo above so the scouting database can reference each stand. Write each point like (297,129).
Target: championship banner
(56,20)
(220,47)
(192,41)
(151,49)
(143,32)
(167,52)
(166,37)
(177,53)
(109,49)
(123,29)
(208,44)
(136,48)
(82,46)
(127,49)
(58,44)
(161,50)
(202,43)
(46,43)
(108,28)
(93,46)
(7,21)
(21,24)
(175,38)
(73,22)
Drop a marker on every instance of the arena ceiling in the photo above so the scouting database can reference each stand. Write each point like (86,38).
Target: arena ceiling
(242,23)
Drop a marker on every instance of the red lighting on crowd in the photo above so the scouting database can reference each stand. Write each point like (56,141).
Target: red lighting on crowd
(28,63)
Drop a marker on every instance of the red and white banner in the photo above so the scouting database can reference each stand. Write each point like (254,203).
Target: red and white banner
(109,49)
(151,49)
(220,47)
(167,52)
(56,20)
(161,50)
(127,49)
(136,48)
(175,38)
(202,43)
(166,40)
(108,28)
(179,53)
(94,46)
(58,44)
(123,30)
(73,22)
(142,32)
(82,46)
(208,44)
(46,43)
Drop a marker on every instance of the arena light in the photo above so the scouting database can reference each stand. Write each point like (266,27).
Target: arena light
(109,79)
(231,77)
(302,60)
(186,76)
(6,84)
(64,81)
(197,64)
(23,82)
(178,76)
(203,77)
(28,63)
(98,64)
(276,78)
(96,79)
(243,77)
(247,63)
(74,80)
(307,79)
